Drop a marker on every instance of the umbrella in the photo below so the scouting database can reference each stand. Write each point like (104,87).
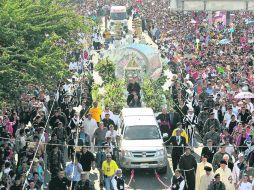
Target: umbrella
(193,21)
(251,22)
(220,70)
(224,41)
(243,95)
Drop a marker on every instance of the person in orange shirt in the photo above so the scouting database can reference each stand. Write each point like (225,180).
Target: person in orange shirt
(95,112)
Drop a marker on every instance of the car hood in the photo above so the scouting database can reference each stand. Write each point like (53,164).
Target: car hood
(142,145)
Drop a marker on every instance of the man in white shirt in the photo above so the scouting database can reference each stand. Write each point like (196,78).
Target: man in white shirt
(90,125)
(244,184)
(235,107)
(227,116)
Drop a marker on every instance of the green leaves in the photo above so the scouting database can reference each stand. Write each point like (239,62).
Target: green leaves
(35,37)
(153,94)
(106,69)
(111,93)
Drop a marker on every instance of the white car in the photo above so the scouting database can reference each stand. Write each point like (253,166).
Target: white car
(140,141)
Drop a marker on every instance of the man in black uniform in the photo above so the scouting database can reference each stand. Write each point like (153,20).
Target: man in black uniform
(60,182)
(178,143)
(188,165)
(118,180)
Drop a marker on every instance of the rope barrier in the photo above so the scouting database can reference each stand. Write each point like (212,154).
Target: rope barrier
(157,176)
(37,148)
(131,178)
(167,146)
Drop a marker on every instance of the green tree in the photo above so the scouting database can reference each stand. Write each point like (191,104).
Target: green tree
(106,69)
(35,36)
(153,94)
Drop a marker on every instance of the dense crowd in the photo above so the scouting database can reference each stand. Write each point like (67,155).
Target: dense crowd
(211,61)
(211,85)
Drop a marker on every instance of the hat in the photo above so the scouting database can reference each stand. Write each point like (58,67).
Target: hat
(206,108)
(217,175)
(222,144)
(211,113)
(178,129)
(190,109)
(223,162)
(207,168)
(240,155)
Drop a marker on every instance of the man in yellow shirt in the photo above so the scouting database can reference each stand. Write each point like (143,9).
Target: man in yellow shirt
(183,132)
(109,168)
(95,112)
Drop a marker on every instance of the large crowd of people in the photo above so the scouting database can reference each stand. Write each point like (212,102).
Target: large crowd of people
(212,62)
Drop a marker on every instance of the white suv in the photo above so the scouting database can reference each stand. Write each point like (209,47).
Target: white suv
(140,141)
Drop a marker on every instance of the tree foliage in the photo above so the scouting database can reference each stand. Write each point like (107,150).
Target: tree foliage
(35,37)
(153,94)
(106,69)
(114,96)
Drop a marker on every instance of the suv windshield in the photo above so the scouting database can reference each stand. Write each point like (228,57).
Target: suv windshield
(118,16)
(141,133)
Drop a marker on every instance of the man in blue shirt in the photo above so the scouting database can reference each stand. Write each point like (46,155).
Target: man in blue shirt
(73,171)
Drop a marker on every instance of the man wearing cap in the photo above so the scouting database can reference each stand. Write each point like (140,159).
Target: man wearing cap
(200,170)
(202,117)
(217,184)
(60,132)
(188,164)
(226,175)
(178,142)
(212,134)
(206,178)
(109,168)
(211,121)
(239,168)
(118,180)
(209,102)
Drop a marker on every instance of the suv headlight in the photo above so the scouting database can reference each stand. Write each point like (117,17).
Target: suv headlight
(160,152)
(126,153)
